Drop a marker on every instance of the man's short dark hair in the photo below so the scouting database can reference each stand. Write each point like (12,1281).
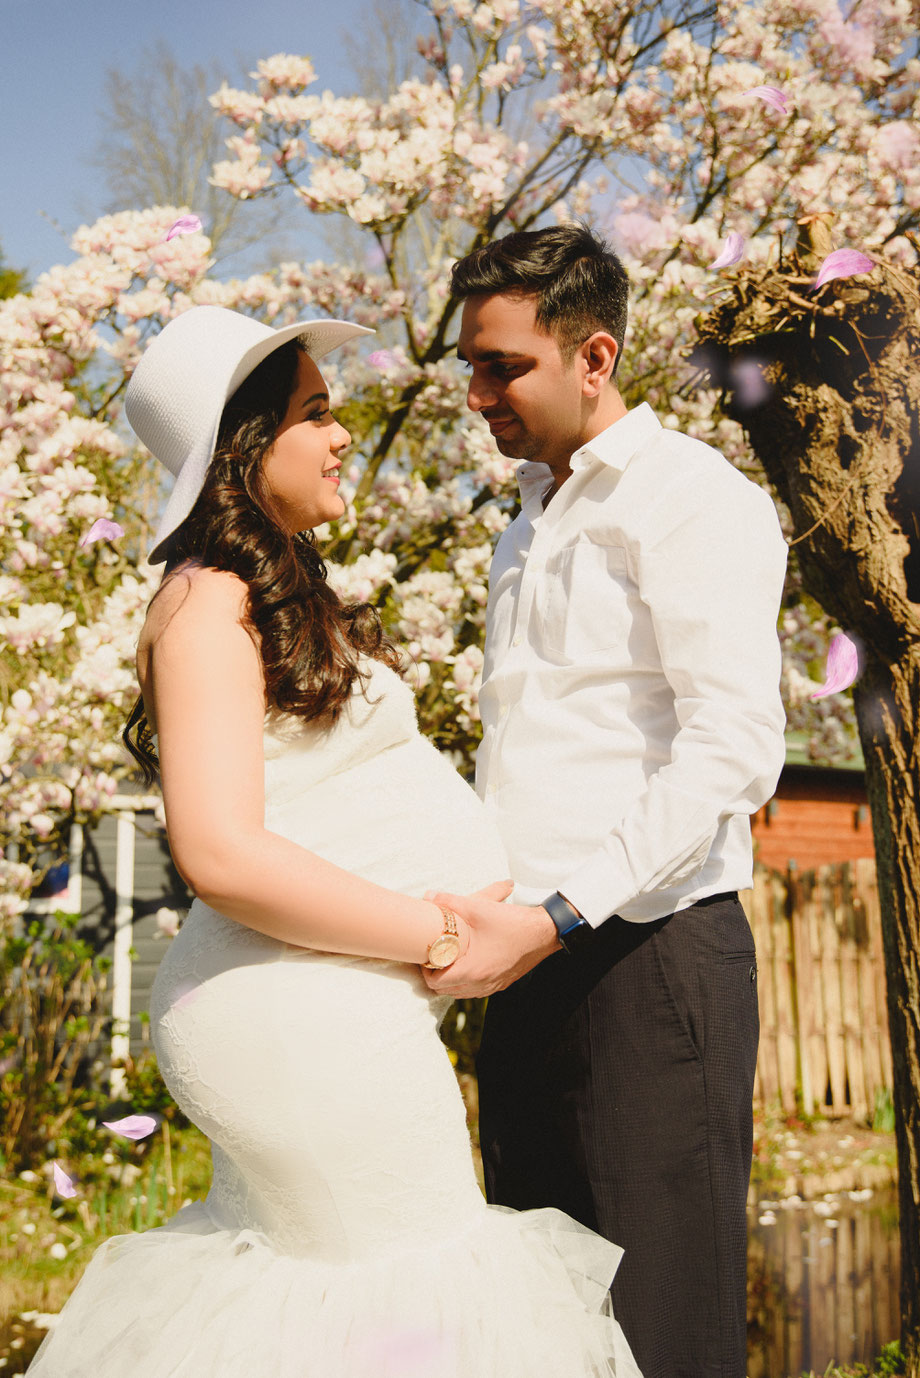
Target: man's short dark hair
(579,283)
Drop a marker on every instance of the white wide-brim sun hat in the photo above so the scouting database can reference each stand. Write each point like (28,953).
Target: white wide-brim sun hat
(185,377)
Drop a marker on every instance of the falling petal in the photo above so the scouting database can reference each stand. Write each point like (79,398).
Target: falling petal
(732,251)
(186,990)
(382,358)
(842,263)
(842,667)
(132,1126)
(407,1353)
(62,1184)
(167,921)
(186,224)
(102,530)
(747,381)
(771,95)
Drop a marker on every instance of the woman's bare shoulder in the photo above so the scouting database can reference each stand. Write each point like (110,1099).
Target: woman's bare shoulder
(194,594)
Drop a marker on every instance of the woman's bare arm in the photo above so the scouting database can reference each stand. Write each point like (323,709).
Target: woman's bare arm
(201,678)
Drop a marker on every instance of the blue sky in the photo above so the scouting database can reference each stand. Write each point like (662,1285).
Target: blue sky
(55,57)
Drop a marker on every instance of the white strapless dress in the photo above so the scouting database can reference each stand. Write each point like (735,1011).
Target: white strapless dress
(344,1234)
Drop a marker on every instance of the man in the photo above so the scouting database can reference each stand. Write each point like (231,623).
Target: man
(632,723)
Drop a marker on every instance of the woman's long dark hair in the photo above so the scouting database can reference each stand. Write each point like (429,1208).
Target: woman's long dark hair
(309,640)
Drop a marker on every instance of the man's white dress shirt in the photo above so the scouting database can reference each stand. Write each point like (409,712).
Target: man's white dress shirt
(630,701)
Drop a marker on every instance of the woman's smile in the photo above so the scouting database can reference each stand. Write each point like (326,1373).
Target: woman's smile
(305,454)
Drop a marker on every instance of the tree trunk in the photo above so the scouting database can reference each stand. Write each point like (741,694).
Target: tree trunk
(839,439)
(887,705)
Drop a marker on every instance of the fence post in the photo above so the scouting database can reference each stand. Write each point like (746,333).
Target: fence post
(121,955)
(803,983)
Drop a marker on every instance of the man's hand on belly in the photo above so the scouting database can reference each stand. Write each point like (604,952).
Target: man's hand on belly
(507,941)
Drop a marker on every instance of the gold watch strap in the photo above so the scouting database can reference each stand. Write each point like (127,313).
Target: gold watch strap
(450,921)
(450,929)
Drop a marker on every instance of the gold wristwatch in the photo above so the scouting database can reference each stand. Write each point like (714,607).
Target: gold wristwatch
(446,948)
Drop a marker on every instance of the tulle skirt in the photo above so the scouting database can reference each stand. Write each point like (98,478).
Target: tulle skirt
(519,1295)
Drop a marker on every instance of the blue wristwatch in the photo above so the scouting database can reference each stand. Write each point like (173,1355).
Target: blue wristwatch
(573,930)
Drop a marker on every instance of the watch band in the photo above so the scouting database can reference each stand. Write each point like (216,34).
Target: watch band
(446,947)
(573,930)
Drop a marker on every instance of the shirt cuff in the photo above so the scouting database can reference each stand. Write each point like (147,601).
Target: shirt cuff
(592,887)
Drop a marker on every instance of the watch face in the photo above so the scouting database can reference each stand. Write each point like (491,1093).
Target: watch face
(444,950)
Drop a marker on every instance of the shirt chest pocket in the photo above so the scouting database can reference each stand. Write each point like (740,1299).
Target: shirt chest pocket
(582,603)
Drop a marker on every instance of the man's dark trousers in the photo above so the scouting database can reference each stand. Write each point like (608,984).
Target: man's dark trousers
(616,1084)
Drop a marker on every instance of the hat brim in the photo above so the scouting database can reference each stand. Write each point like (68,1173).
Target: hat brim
(319,339)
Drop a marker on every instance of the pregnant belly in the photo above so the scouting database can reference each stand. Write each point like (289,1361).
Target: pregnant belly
(404,819)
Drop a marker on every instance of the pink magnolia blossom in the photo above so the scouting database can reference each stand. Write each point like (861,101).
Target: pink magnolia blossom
(101,530)
(842,263)
(842,668)
(383,359)
(898,145)
(771,95)
(63,1185)
(732,251)
(284,70)
(851,43)
(132,1126)
(186,224)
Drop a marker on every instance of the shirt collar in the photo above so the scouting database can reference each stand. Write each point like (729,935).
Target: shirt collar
(618,443)
(614,446)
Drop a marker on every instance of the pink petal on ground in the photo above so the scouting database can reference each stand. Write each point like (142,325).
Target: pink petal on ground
(382,358)
(63,1186)
(101,530)
(842,263)
(186,224)
(132,1126)
(842,667)
(732,251)
(770,95)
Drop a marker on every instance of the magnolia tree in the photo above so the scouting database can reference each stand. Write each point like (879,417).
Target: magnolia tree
(655,121)
(651,120)
(71,600)
(75,504)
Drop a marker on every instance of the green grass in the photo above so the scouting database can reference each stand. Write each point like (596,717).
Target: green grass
(888,1364)
(158,1177)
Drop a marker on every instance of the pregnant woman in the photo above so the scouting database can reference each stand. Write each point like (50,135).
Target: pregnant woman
(344,1234)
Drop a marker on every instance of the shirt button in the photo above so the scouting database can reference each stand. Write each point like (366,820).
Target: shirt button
(517,640)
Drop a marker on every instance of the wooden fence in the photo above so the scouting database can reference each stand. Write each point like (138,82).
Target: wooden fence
(822,1288)
(823,1011)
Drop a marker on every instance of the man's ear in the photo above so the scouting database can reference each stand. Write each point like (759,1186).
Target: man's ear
(597,356)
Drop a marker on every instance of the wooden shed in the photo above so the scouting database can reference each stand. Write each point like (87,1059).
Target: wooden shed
(819,815)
